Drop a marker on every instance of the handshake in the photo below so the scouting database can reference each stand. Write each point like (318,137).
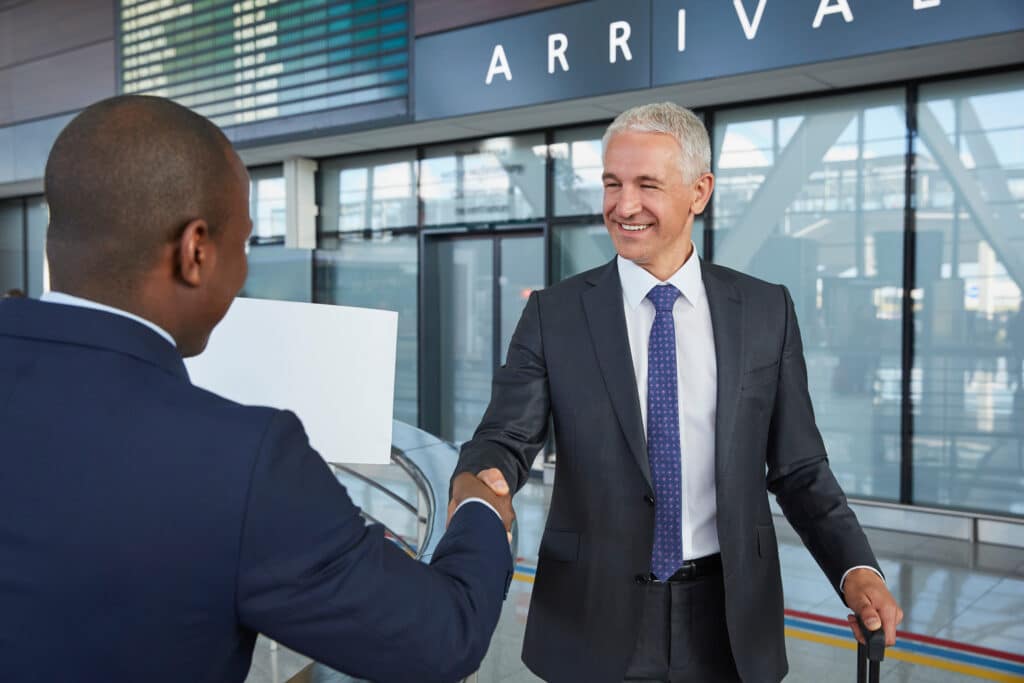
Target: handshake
(490,486)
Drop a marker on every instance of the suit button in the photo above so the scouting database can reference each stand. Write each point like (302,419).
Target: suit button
(649,499)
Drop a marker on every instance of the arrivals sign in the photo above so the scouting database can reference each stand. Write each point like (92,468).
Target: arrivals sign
(729,37)
(579,50)
(606,46)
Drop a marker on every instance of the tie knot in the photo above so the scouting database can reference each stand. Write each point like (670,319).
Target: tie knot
(663,297)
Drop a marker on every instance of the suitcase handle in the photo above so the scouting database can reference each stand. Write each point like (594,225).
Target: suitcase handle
(869,656)
(875,647)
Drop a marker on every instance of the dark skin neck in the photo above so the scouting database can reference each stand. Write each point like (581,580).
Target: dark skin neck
(154,296)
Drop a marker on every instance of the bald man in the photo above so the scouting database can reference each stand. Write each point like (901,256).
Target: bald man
(150,529)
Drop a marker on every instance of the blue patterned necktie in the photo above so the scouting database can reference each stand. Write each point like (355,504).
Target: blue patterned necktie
(663,435)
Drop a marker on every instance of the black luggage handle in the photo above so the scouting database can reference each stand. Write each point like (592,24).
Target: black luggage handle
(869,656)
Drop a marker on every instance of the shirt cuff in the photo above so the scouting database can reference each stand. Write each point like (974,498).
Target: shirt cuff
(490,507)
(842,581)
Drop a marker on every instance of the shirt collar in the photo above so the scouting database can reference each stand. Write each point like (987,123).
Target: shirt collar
(69,300)
(636,281)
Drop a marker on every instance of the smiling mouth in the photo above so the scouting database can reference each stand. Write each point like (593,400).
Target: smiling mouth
(640,227)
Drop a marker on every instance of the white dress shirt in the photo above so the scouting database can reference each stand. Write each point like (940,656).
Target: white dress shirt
(696,381)
(697,384)
(69,300)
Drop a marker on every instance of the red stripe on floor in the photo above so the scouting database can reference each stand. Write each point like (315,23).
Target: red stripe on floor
(953,645)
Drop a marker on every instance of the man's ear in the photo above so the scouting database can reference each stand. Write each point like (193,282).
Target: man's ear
(703,188)
(196,253)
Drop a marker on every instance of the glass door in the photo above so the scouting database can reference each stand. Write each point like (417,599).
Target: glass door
(475,287)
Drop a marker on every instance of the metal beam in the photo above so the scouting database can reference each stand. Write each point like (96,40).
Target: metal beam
(804,153)
(994,226)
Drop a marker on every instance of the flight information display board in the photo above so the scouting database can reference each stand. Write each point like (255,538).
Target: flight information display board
(239,61)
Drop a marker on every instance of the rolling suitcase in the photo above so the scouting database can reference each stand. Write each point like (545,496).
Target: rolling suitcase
(869,656)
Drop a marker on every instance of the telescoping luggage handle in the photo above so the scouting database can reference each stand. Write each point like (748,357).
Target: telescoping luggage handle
(869,656)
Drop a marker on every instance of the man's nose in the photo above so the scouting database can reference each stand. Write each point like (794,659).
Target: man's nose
(629,203)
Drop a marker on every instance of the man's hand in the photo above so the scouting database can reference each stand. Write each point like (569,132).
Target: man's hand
(467,485)
(494,479)
(867,595)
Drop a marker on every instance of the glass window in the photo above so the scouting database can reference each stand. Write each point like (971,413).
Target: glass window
(38,214)
(267,204)
(576,248)
(475,289)
(12,245)
(488,181)
(522,271)
(578,165)
(277,272)
(378,271)
(968,381)
(459,332)
(811,195)
(368,193)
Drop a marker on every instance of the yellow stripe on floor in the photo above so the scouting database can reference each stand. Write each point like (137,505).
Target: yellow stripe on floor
(912,657)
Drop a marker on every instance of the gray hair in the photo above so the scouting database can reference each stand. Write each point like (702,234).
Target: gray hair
(671,119)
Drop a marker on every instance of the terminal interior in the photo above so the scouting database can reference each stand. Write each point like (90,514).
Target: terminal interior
(885,191)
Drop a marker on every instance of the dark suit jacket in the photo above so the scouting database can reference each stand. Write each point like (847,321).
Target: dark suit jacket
(149,529)
(570,359)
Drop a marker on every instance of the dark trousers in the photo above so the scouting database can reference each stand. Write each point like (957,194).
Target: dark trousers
(682,636)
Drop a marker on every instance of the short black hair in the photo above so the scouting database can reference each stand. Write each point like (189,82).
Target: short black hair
(124,178)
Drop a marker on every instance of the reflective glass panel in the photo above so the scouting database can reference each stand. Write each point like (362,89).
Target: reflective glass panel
(12,246)
(38,214)
(277,272)
(267,204)
(486,181)
(576,248)
(522,271)
(368,192)
(459,335)
(578,166)
(379,271)
(968,381)
(811,195)
(467,337)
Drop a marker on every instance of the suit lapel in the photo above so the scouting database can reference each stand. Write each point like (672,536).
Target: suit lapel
(607,321)
(726,308)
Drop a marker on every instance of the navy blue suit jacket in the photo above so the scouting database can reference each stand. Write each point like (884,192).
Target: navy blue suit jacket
(150,529)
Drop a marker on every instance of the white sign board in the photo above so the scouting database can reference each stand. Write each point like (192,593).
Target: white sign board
(333,366)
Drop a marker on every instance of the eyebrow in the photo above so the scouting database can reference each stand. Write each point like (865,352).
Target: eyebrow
(639,179)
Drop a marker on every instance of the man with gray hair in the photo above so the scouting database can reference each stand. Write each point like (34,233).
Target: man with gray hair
(678,393)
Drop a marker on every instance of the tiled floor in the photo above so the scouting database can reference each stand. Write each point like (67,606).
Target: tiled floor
(949,590)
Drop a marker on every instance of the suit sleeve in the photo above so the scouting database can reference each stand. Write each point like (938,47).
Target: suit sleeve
(798,471)
(515,425)
(314,577)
